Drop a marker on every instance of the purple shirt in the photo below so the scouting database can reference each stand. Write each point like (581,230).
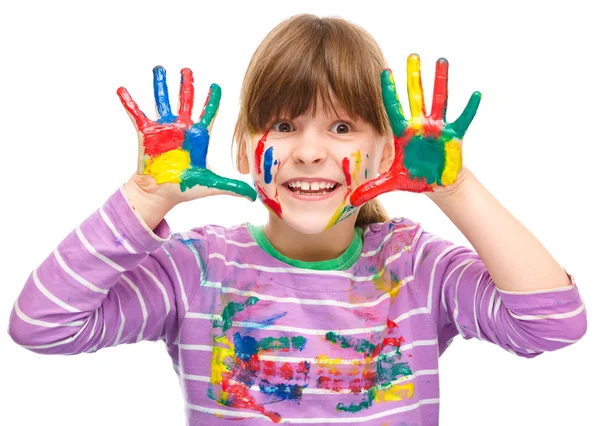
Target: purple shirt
(258,338)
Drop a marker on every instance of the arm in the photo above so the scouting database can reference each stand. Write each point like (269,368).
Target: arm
(515,259)
(105,284)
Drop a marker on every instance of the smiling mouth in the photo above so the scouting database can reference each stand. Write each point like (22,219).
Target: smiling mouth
(312,188)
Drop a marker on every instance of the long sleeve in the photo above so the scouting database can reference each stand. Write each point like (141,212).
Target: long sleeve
(463,299)
(105,284)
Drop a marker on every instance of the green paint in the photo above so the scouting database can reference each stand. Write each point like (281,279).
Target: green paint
(230,310)
(389,369)
(204,177)
(359,345)
(365,403)
(211,107)
(462,123)
(273,343)
(365,173)
(425,158)
(251,301)
(281,343)
(367,155)
(392,103)
(298,342)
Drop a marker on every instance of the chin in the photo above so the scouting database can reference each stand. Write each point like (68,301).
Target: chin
(309,224)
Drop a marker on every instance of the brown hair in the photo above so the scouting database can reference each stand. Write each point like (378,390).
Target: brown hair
(305,59)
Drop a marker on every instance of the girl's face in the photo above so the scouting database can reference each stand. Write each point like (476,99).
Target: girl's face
(305,169)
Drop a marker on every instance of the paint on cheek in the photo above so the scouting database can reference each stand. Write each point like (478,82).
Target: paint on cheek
(357,162)
(258,152)
(267,164)
(343,210)
(272,204)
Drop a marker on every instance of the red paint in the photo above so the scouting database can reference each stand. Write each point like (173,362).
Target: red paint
(324,382)
(269,368)
(355,385)
(391,324)
(286,371)
(337,385)
(273,205)
(346,168)
(397,177)
(162,138)
(440,90)
(303,367)
(186,96)
(258,153)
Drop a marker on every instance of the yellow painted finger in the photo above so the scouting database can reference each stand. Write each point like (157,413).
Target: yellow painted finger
(415,88)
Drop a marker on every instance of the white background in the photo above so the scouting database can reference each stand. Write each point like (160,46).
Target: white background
(67,144)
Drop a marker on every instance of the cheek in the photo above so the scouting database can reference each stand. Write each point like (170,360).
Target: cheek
(265,164)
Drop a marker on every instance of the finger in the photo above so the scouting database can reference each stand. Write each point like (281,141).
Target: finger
(140,119)
(186,95)
(440,90)
(414,86)
(462,123)
(211,105)
(392,103)
(161,96)
(206,178)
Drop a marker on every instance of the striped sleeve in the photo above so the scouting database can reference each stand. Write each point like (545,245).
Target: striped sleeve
(107,283)
(463,299)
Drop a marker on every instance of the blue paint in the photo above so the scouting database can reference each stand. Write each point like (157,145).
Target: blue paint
(161,96)
(247,326)
(281,391)
(267,164)
(275,163)
(196,143)
(245,346)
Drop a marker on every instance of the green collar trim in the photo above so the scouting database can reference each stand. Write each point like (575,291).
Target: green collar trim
(341,263)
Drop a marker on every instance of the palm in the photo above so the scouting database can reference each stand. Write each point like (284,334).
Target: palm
(428,150)
(174,148)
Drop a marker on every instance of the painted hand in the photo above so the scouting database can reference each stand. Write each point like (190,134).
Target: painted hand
(173,148)
(427,149)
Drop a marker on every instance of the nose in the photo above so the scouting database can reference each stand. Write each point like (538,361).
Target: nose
(310,148)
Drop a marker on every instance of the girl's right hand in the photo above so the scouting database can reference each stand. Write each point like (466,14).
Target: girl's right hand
(172,150)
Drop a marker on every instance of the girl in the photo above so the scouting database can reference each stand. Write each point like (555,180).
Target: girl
(331,312)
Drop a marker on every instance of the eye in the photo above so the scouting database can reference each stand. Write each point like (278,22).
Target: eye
(283,126)
(341,128)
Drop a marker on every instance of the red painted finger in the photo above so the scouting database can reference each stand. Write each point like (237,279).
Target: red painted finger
(440,90)
(132,108)
(186,95)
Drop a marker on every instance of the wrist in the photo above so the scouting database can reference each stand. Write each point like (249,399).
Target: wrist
(441,194)
(152,208)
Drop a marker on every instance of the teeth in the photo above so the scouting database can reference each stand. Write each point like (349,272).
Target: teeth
(312,186)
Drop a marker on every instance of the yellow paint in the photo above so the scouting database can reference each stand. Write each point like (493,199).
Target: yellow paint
(357,161)
(395,393)
(325,361)
(218,364)
(336,215)
(453,162)
(415,91)
(168,166)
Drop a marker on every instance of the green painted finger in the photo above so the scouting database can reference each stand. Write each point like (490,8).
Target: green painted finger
(392,103)
(209,179)
(211,105)
(463,122)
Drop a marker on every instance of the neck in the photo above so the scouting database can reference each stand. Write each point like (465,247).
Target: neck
(325,245)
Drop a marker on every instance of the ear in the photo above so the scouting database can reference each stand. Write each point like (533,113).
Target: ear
(387,157)
(243,165)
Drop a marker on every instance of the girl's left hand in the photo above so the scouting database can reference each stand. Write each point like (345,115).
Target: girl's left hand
(427,149)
